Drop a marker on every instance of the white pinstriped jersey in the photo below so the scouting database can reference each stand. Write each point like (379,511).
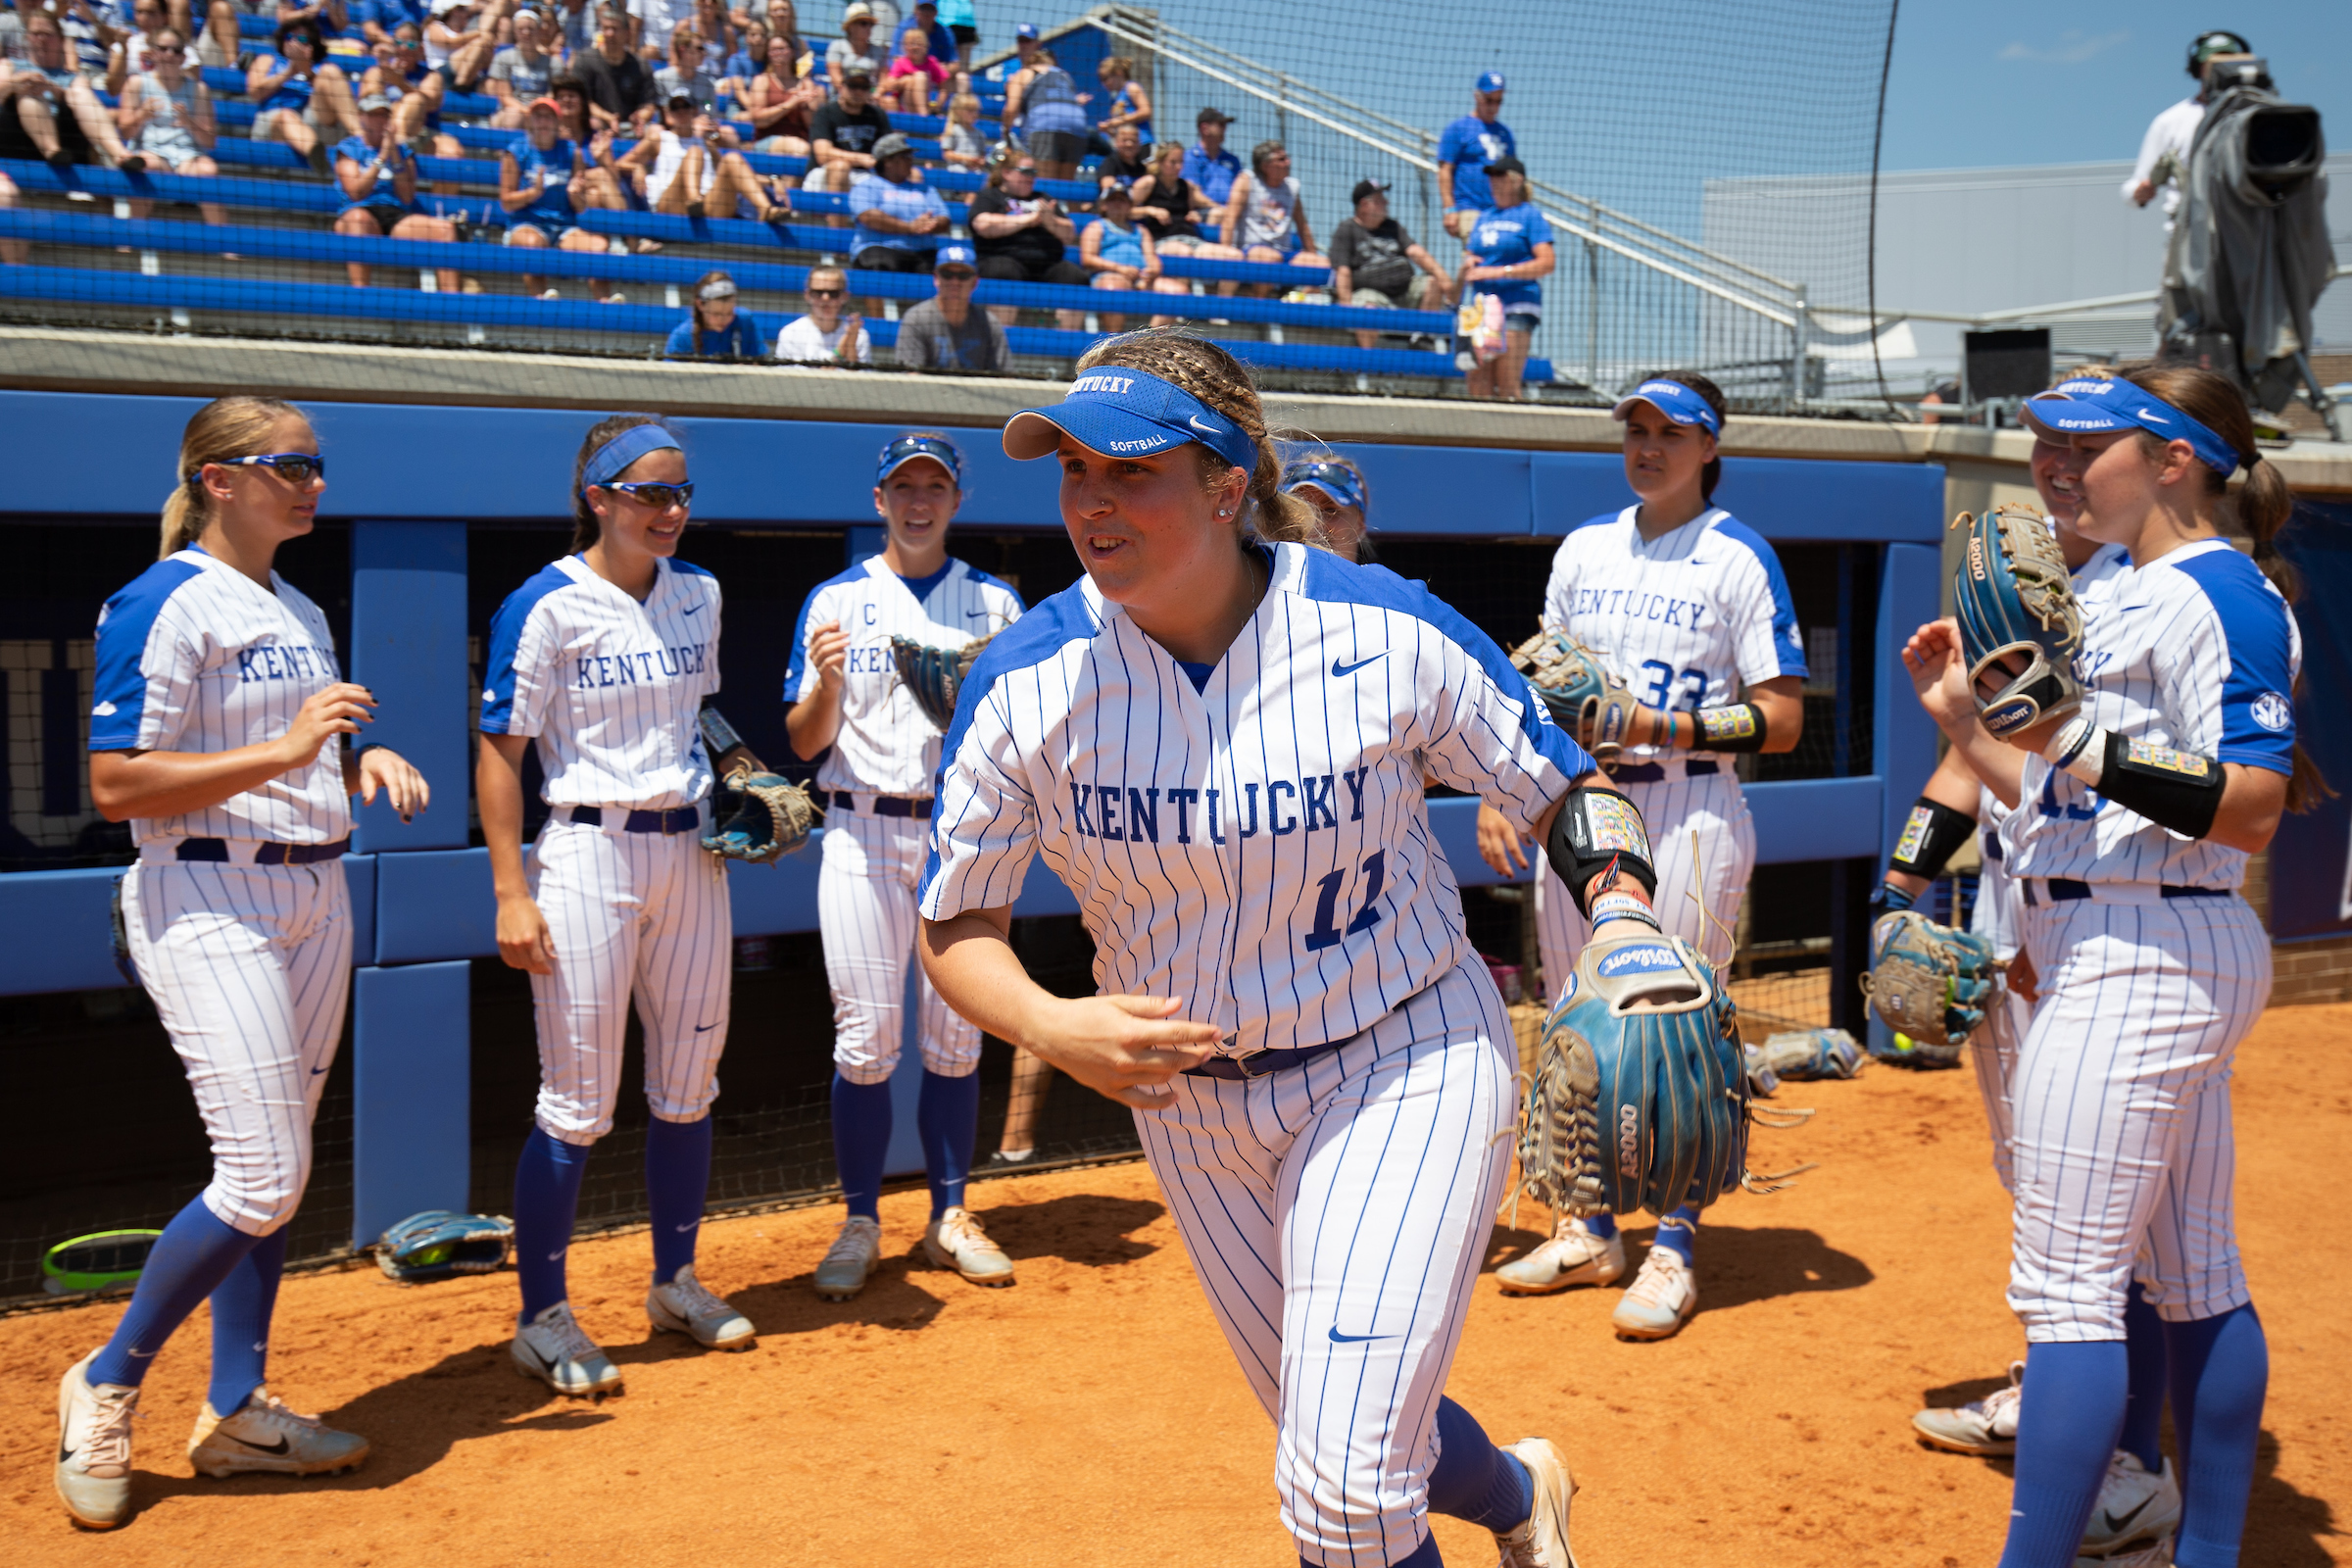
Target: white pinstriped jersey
(2197,652)
(194,656)
(877,747)
(610,688)
(1259,844)
(1686,619)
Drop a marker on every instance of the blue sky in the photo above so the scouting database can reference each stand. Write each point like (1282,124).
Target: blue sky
(2024,82)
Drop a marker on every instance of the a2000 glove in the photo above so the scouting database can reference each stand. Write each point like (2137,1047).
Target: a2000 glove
(935,675)
(1585,696)
(1929,981)
(2013,598)
(769,816)
(438,1244)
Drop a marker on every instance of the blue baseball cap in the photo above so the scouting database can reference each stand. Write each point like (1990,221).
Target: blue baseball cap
(1126,413)
(2091,404)
(1027,30)
(954,255)
(1489,81)
(1675,401)
(1334,479)
(906,449)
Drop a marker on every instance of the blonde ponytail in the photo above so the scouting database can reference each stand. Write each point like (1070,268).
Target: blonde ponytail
(227,427)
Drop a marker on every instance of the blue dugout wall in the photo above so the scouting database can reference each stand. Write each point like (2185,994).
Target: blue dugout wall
(411,479)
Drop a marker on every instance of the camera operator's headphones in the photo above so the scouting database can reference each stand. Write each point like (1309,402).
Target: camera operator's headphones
(2208,44)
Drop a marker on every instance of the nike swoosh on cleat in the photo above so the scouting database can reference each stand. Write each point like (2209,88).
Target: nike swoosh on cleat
(64,1455)
(546,1362)
(2115,1521)
(1337,1338)
(1340,671)
(281,1445)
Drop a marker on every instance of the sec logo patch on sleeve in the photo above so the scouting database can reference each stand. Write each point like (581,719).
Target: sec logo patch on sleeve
(2272,712)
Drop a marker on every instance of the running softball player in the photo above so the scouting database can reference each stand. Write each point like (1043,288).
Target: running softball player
(845,693)
(2128,833)
(1219,745)
(1689,606)
(218,733)
(608,658)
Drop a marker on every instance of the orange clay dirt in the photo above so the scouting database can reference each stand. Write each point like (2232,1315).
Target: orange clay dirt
(1091,1415)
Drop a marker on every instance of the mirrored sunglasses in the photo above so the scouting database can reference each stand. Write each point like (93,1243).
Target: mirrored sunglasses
(662,497)
(295,467)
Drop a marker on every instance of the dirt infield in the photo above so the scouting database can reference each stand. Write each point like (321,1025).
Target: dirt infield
(1092,1415)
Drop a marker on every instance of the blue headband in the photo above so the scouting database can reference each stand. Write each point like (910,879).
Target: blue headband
(1124,412)
(1675,401)
(2091,404)
(612,459)
(896,454)
(1334,480)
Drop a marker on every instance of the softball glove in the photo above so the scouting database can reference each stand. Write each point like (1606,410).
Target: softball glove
(438,1244)
(769,818)
(935,676)
(1585,696)
(2013,596)
(1930,982)
(1799,1055)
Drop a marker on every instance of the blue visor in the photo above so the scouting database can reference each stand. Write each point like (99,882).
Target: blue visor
(1333,480)
(1675,401)
(2092,405)
(1127,413)
(907,448)
(612,459)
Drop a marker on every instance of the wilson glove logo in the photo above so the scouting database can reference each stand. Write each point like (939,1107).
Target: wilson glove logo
(1647,958)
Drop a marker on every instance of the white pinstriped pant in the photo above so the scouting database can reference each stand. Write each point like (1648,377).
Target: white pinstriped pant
(865,906)
(250,968)
(1336,1213)
(629,912)
(1672,809)
(1992,1049)
(2124,1145)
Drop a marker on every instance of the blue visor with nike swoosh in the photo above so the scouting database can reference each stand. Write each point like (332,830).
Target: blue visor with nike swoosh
(1675,401)
(1127,413)
(2092,405)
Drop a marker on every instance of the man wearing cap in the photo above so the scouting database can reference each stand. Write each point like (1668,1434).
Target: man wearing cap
(619,85)
(1208,164)
(1373,260)
(1467,147)
(679,173)
(523,70)
(843,134)
(2164,151)
(947,333)
(856,49)
(938,41)
(894,211)
(543,183)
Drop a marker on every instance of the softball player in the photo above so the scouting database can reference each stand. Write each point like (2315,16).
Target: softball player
(845,693)
(217,732)
(608,658)
(1689,606)
(1336,488)
(2128,833)
(1219,745)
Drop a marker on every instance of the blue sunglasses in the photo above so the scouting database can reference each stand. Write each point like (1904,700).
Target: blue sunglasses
(662,497)
(295,467)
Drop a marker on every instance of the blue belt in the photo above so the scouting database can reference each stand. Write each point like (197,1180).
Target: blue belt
(676,819)
(266,853)
(1262,1064)
(2066,890)
(918,807)
(1653,772)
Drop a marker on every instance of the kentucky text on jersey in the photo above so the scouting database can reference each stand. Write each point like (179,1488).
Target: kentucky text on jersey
(285,662)
(1631,603)
(643,669)
(1293,805)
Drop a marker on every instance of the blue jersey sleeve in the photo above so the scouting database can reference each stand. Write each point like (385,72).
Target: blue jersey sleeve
(1539,227)
(139,691)
(681,340)
(2254,661)
(1451,144)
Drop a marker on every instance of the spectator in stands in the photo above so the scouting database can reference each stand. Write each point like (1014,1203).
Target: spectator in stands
(1022,237)
(923,18)
(825,336)
(1207,163)
(575,25)
(398,74)
(719,34)
(1043,102)
(960,143)
(680,173)
(1466,148)
(1172,207)
(1119,253)
(620,86)
(1025,47)
(221,43)
(685,75)
(457,39)
(895,213)
(841,135)
(1338,491)
(917,83)
(945,332)
(716,330)
(299,96)
(86,32)
(1129,104)
(1126,162)
(963,27)
(781,104)
(544,183)
(166,118)
(133,53)
(656,20)
(572,99)
(53,113)
(1264,219)
(2163,163)
(856,49)
(1506,254)
(1373,260)
(377,19)
(784,21)
(735,74)
(379,177)
(521,73)
(13,252)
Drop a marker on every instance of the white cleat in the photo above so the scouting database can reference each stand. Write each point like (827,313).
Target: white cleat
(1986,1427)
(1661,1300)
(2160,1555)
(2135,1509)
(554,1349)
(264,1437)
(1542,1541)
(1574,1255)
(956,1240)
(93,1448)
(851,1261)
(685,1305)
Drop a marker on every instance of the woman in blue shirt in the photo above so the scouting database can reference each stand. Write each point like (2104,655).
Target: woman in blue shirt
(716,330)
(1504,256)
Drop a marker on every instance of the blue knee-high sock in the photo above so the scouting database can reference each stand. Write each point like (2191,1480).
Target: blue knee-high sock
(187,1264)
(2220,1369)
(1474,1480)
(241,1308)
(1602,1225)
(1678,1232)
(677,1184)
(947,1116)
(2073,1408)
(2143,1415)
(546,1201)
(860,1141)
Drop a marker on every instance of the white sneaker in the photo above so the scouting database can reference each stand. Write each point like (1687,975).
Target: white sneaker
(1574,1255)
(956,1240)
(685,1305)
(264,1436)
(93,1448)
(851,1261)
(1986,1426)
(1541,1541)
(2160,1555)
(554,1349)
(1662,1298)
(2135,1508)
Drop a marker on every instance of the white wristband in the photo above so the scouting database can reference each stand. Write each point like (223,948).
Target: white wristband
(2079,748)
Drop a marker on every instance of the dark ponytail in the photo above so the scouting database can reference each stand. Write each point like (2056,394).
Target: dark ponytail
(1712,396)
(584,528)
